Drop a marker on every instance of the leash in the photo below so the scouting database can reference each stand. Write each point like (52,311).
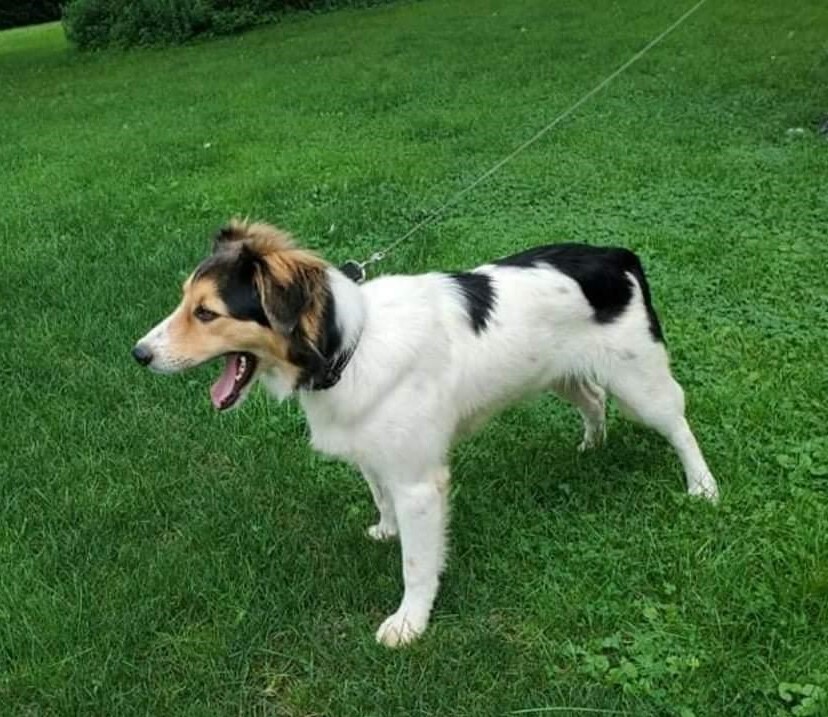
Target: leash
(356,270)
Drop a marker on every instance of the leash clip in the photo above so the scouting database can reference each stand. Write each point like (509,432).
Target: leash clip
(354,270)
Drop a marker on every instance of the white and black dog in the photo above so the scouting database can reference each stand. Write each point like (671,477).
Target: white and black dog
(392,372)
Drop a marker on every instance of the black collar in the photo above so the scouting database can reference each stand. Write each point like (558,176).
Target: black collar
(333,370)
(331,359)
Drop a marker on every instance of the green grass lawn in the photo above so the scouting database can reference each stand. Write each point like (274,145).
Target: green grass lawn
(157,558)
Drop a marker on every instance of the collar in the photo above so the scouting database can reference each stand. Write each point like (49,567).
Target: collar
(329,367)
(333,370)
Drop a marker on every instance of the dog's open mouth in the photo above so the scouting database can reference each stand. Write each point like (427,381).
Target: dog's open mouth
(238,370)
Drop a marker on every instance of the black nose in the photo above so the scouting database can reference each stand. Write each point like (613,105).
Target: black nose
(142,354)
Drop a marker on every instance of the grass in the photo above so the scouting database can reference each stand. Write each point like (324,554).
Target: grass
(159,559)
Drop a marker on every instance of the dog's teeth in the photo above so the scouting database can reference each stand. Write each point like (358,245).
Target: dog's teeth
(242,367)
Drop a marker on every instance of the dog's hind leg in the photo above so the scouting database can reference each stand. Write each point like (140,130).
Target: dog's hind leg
(590,400)
(387,526)
(647,392)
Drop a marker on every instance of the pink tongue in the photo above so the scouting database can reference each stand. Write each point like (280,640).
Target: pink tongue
(222,388)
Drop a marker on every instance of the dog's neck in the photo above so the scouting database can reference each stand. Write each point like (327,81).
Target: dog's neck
(350,307)
(347,319)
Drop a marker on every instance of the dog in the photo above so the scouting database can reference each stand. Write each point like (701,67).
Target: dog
(390,373)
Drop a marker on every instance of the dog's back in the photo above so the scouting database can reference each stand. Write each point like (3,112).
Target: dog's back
(512,327)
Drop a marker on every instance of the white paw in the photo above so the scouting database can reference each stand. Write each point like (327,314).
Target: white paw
(593,438)
(704,487)
(400,629)
(382,531)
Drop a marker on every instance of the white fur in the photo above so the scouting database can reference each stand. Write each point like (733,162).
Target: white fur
(420,377)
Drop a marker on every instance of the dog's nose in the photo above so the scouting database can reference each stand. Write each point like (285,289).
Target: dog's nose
(142,355)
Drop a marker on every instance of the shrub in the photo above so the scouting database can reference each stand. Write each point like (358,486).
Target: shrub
(15,14)
(98,23)
(101,23)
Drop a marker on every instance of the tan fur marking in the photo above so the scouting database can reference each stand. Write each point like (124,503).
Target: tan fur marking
(200,341)
(285,266)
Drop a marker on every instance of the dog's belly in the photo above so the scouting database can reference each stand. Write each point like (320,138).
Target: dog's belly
(483,405)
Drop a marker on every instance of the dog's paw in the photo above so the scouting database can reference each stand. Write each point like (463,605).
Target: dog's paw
(704,487)
(400,629)
(585,445)
(593,438)
(382,531)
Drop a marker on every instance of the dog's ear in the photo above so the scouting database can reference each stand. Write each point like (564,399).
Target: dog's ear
(233,231)
(262,238)
(289,300)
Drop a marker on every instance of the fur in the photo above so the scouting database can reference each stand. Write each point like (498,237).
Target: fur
(392,372)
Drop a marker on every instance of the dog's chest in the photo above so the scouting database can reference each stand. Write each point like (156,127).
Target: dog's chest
(334,441)
(333,436)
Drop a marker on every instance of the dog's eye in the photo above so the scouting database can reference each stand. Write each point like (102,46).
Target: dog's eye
(204,314)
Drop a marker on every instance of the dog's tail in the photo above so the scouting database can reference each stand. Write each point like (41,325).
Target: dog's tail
(635,268)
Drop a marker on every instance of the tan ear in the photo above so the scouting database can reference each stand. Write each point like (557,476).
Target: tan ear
(291,301)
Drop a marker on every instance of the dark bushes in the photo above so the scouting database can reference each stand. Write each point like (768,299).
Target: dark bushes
(101,23)
(14,13)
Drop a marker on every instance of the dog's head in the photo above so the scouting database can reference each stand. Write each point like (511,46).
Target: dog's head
(258,302)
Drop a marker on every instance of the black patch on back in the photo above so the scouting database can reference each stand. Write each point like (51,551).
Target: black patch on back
(601,272)
(479,295)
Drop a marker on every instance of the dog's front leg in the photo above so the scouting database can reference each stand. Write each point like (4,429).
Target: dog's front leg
(387,526)
(421,510)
